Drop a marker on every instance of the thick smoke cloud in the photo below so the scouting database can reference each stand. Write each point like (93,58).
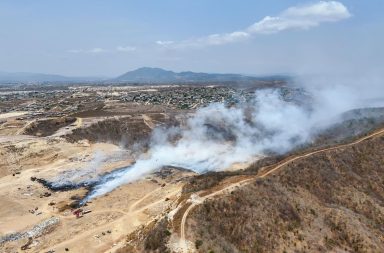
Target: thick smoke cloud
(218,136)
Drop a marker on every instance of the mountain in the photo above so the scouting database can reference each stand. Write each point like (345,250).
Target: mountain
(148,75)
(158,75)
(141,75)
(14,77)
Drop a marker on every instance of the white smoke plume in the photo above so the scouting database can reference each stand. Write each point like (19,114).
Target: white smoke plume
(217,136)
(88,173)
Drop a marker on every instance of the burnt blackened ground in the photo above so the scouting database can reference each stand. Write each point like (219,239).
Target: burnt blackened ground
(89,185)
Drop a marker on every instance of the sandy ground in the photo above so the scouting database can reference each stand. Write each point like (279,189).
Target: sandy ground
(11,115)
(80,122)
(25,203)
(112,217)
(242,165)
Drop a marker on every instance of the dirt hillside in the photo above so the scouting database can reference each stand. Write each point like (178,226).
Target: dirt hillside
(331,201)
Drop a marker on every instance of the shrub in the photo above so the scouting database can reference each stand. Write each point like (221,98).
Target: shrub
(198,243)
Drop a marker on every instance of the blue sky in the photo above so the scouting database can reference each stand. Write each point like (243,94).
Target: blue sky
(94,37)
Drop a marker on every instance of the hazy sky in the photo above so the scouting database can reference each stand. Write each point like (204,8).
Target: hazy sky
(107,38)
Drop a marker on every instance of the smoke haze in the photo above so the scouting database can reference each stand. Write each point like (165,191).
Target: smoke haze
(87,174)
(217,136)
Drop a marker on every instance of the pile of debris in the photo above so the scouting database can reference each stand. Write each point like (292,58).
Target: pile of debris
(35,211)
(36,231)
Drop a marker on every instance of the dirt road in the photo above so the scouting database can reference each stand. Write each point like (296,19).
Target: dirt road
(127,221)
(184,245)
(21,131)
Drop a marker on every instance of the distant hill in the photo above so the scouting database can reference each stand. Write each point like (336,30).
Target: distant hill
(13,77)
(142,75)
(158,75)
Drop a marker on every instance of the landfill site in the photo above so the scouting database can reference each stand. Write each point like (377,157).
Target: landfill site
(53,133)
(155,168)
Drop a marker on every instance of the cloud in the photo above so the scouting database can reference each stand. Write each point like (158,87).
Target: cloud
(164,43)
(125,49)
(302,17)
(294,18)
(323,11)
(96,50)
(99,50)
(219,39)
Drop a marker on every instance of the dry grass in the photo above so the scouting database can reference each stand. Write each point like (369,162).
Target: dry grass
(326,202)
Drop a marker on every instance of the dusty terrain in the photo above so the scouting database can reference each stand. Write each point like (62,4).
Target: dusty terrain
(42,145)
(111,217)
(53,133)
(324,196)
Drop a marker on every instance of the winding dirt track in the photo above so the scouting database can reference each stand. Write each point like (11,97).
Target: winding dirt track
(183,242)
